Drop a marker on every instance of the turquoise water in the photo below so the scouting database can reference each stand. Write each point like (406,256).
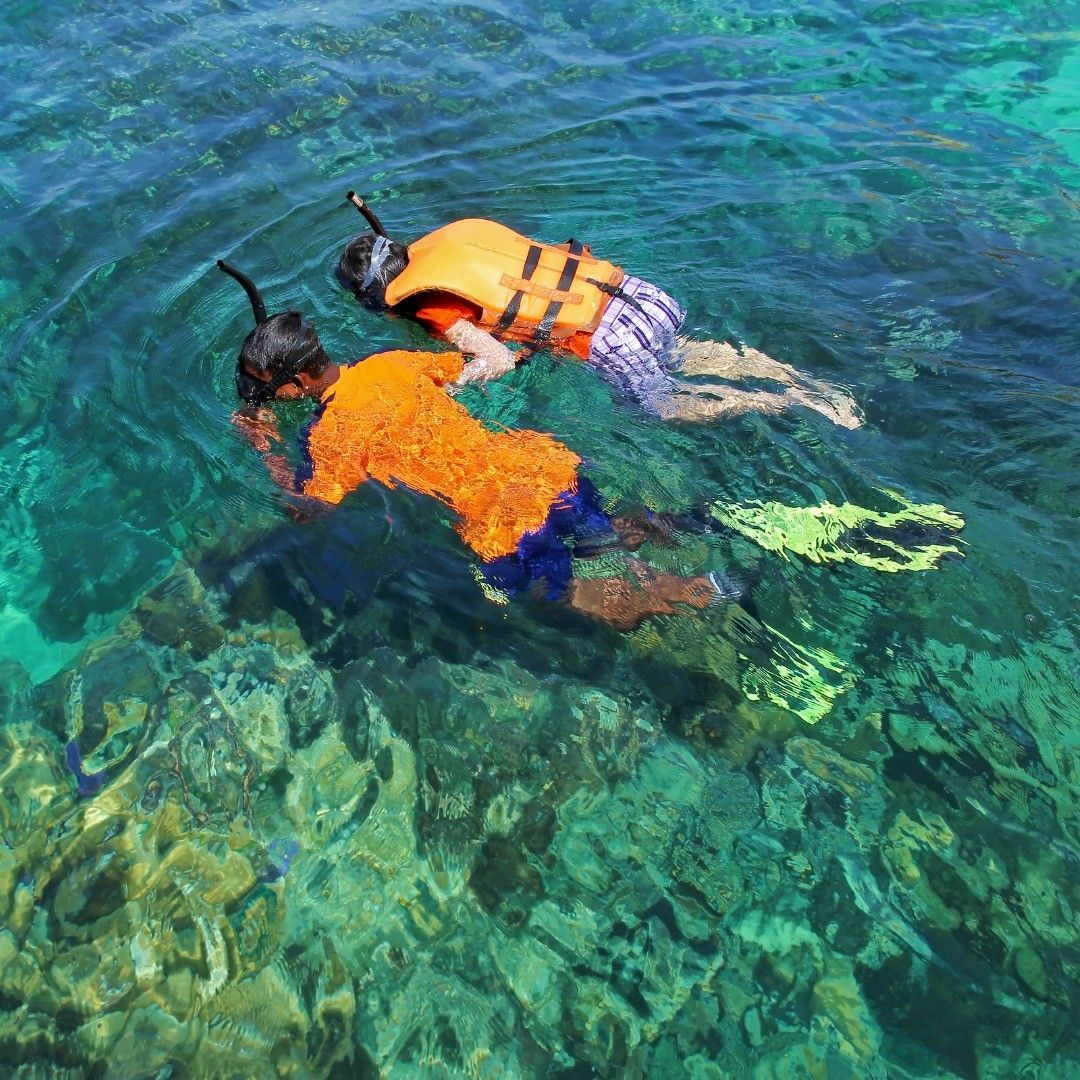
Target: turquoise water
(353,817)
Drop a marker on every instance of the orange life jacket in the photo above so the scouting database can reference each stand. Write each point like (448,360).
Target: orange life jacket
(526,291)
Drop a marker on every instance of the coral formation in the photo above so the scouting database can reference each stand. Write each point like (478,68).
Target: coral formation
(416,865)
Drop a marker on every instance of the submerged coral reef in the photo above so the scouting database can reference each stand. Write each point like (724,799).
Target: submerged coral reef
(414,863)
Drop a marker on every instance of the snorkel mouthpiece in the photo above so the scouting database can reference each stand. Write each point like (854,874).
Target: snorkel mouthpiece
(258,308)
(368,213)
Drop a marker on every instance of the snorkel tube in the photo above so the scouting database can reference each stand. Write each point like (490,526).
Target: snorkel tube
(369,214)
(364,267)
(258,308)
(254,391)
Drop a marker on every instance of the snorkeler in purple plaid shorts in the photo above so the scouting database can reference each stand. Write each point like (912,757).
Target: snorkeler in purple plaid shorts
(478,284)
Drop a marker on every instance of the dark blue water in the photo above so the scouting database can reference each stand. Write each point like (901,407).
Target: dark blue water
(356,818)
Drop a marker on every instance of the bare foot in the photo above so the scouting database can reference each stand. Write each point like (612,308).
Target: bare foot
(833,404)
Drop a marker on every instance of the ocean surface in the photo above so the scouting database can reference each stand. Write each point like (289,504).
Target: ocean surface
(303,799)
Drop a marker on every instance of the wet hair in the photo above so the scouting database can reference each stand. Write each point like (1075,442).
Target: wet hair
(354,268)
(280,347)
(272,343)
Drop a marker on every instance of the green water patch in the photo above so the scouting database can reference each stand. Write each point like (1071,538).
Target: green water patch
(427,861)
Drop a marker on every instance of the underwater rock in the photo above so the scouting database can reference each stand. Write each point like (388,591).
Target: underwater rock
(311,701)
(176,613)
(916,733)
(164,887)
(419,864)
(434,1022)
(602,1025)
(800,974)
(156,915)
(837,998)
(14,691)
(532,972)
(854,780)
(904,838)
(610,735)
(100,704)
(35,795)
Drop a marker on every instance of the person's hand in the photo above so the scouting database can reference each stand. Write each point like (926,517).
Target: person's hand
(491,359)
(484,370)
(258,426)
(303,508)
(476,371)
(280,470)
(300,507)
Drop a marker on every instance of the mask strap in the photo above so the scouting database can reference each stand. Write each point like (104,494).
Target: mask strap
(379,254)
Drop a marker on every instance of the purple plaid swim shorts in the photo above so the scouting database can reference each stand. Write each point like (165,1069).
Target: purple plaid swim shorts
(634,345)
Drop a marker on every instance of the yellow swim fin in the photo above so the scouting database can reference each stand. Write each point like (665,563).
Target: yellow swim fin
(914,537)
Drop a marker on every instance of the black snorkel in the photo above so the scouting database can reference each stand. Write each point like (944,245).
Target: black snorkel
(252,391)
(362,268)
(369,214)
(258,308)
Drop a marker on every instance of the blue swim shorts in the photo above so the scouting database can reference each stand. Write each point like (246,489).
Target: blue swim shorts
(575,523)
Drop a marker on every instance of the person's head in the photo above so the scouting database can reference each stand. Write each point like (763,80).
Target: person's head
(367,266)
(370,261)
(282,357)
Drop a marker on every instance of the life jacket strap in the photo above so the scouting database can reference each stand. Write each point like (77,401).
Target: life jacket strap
(506,320)
(617,292)
(543,331)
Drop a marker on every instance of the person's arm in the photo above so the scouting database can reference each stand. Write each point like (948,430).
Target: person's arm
(491,359)
(259,427)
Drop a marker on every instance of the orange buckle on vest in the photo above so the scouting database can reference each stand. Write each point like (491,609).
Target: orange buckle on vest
(530,288)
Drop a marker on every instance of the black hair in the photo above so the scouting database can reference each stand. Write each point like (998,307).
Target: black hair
(355,263)
(279,348)
(272,343)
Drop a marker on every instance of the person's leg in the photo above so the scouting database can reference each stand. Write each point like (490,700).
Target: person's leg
(625,604)
(723,361)
(620,602)
(577,526)
(719,401)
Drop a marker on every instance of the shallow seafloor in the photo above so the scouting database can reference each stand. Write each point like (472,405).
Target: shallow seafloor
(285,799)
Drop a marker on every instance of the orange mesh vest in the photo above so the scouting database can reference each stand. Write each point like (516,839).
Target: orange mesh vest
(526,291)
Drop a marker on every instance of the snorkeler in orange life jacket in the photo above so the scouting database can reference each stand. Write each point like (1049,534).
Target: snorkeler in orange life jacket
(518,498)
(477,284)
